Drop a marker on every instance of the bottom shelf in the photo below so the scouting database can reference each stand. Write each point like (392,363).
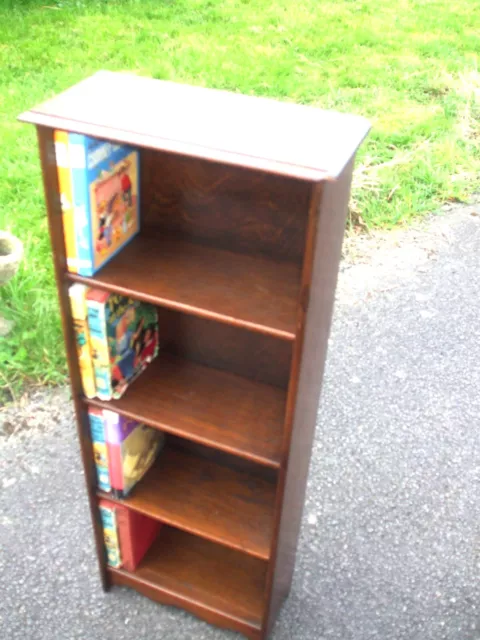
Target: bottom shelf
(220,585)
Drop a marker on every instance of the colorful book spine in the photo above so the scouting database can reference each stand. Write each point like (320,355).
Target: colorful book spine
(100,454)
(110,533)
(78,304)
(96,311)
(83,230)
(66,197)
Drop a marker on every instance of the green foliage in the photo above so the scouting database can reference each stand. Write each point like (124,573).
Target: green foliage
(410,66)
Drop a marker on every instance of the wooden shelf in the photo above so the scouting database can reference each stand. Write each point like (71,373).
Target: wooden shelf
(215,408)
(242,226)
(208,580)
(247,291)
(210,500)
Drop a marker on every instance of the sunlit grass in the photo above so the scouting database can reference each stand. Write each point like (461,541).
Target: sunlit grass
(410,66)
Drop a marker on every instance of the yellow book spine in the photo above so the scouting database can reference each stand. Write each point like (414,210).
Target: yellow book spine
(110,533)
(66,197)
(78,302)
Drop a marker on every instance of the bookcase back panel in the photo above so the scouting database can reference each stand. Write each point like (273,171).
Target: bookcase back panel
(245,353)
(234,208)
(222,458)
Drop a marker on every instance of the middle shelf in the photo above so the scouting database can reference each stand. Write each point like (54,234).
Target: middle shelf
(196,494)
(212,407)
(253,292)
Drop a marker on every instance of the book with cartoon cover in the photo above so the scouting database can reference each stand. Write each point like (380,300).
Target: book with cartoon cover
(123,337)
(105,197)
(132,449)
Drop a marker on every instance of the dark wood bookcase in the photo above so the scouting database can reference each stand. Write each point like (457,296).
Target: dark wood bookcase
(243,204)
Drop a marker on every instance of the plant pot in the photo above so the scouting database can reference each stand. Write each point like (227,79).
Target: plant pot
(11,252)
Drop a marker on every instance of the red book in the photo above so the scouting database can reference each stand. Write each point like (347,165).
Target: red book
(136,533)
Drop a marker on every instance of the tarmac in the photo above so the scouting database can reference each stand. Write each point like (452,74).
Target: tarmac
(389,548)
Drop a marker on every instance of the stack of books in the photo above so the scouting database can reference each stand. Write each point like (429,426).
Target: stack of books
(116,336)
(98,183)
(124,450)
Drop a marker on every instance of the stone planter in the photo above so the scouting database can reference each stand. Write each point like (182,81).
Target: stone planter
(11,252)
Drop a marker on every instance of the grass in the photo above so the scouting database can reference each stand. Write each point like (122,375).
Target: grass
(410,66)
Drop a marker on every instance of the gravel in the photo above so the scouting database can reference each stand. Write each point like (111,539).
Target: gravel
(389,545)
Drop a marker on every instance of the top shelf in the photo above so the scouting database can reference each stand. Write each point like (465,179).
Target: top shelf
(257,133)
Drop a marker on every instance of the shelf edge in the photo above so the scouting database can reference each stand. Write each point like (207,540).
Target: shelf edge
(173,598)
(212,444)
(184,308)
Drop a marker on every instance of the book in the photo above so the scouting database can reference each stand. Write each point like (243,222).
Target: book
(100,454)
(110,532)
(132,449)
(123,338)
(105,198)
(78,304)
(66,197)
(127,534)
(136,532)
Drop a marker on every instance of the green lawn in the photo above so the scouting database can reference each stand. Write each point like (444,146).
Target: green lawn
(411,66)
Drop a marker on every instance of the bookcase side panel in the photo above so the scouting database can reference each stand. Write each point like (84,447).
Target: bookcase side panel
(52,198)
(322,257)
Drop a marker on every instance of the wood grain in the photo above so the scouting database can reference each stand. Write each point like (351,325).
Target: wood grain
(243,203)
(52,198)
(253,292)
(222,586)
(221,346)
(214,408)
(209,500)
(259,133)
(320,270)
(231,207)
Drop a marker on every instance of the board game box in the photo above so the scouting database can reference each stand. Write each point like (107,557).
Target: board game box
(105,197)
(124,339)
(132,449)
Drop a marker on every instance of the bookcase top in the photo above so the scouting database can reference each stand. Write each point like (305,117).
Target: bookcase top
(258,133)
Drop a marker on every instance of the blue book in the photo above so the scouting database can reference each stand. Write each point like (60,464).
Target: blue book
(105,180)
(110,533)
(100,451)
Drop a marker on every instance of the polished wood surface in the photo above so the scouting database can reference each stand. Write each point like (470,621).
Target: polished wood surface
(221,346)
(52,199)
(243,203)
(214,502)
(277,137)
(230,207)
(216,408)
(321,270)
(253,292)
(220,585)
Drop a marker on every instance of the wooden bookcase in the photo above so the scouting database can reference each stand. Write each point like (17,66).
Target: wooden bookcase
(243,204)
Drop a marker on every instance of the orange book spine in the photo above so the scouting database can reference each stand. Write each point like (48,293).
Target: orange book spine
(65,185)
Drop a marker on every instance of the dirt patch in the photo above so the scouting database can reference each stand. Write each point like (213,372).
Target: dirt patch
(37,411)
(383,260)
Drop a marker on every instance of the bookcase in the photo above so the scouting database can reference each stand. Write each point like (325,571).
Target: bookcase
(243,205)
